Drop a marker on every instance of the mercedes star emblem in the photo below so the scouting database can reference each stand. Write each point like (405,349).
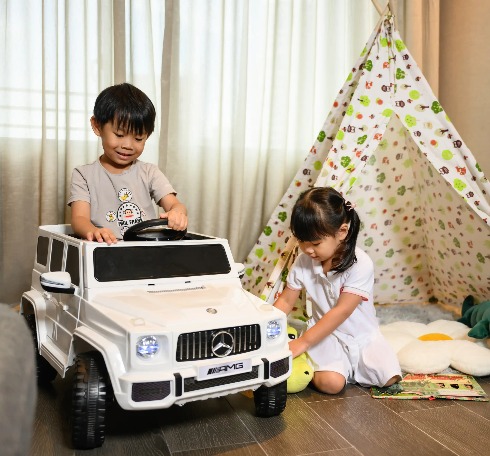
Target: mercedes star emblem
(222,344)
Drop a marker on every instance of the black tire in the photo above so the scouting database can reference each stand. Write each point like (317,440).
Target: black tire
(89,397)
(270,401)
(45,373)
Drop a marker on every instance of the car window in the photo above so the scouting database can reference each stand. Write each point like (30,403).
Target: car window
(56,256)
(137,263)
(72,264)
(42,250)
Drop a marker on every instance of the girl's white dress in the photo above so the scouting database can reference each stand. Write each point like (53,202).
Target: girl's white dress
(356,349)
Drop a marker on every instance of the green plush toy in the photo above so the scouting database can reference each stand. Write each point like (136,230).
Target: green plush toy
(477,317)
(301,373)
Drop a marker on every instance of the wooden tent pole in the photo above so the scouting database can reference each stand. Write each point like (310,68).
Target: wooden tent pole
(377,6)
(390,6)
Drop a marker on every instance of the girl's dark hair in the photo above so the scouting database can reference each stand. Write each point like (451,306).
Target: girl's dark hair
(320,212)
(128,107)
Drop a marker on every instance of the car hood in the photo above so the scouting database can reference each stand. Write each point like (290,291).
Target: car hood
(198,307)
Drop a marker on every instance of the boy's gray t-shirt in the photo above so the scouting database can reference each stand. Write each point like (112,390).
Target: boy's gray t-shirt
(118,201)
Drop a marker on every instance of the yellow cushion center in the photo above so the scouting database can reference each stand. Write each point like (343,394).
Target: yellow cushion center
(435,336)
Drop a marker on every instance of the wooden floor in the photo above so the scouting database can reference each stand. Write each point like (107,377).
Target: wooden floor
(349,424)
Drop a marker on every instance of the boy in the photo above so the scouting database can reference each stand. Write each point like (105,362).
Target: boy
(116,191)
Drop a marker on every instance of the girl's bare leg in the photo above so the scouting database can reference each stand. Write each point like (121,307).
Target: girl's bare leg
(329,382)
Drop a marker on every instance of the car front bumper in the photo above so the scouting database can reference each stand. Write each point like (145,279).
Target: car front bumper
(162,390)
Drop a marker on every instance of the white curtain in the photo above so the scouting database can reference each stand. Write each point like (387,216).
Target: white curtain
(56,56)
(244,89)
(50,58)
(247,87)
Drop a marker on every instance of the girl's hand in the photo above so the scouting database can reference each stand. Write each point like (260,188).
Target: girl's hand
(298,346)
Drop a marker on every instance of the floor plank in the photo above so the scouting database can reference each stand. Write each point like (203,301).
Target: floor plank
(480,408)
(236,450)
(454,427)
(50,433)
(252,451)
(374,429)
(204,424)
(347,424)
(297,431)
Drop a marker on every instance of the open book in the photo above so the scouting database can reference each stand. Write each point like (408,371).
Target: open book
(433,386)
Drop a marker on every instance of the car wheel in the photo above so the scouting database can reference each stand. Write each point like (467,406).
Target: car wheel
(89,397)
(270,401)
(44,371)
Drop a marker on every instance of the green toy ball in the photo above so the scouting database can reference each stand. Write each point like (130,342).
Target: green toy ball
(477,317)
(302,372)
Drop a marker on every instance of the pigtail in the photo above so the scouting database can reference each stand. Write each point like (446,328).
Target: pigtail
(347,251)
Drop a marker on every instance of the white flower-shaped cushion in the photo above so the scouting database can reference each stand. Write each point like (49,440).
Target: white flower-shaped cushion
(432,348)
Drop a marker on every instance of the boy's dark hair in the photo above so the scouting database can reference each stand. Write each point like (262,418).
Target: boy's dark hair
(320,212)
(128,107)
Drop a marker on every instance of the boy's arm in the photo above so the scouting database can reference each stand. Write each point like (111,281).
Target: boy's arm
(82,226)
(175,212)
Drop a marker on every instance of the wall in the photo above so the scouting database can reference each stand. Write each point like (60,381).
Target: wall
(464,72)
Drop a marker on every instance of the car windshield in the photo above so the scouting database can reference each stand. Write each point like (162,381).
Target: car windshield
(157,262)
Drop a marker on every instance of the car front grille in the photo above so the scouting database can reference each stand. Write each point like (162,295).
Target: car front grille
(198,345)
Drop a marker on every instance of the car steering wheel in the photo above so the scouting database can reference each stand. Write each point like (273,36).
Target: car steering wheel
(153,230)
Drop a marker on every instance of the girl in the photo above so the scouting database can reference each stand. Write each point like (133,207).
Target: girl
(343,340)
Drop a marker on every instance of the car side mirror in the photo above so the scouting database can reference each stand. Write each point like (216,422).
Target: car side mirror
(57,282)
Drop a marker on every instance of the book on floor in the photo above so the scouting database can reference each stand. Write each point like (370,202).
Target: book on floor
(433,386)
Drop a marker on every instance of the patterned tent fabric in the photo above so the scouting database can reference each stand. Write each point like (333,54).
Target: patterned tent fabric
(388,146)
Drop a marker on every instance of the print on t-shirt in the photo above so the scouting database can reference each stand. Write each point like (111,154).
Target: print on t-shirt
(128,213)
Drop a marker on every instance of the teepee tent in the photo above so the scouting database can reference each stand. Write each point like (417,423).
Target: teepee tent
(389,147)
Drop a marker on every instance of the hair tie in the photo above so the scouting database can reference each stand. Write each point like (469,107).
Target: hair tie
(349,205)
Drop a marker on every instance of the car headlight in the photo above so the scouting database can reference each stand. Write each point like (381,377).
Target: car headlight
(273,329)
(147,346)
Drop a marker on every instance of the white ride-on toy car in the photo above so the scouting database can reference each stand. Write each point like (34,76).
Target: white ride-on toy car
(152,321)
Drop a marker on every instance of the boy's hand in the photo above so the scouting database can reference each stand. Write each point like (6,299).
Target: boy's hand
(102,235)
(83,227)
(177,220)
